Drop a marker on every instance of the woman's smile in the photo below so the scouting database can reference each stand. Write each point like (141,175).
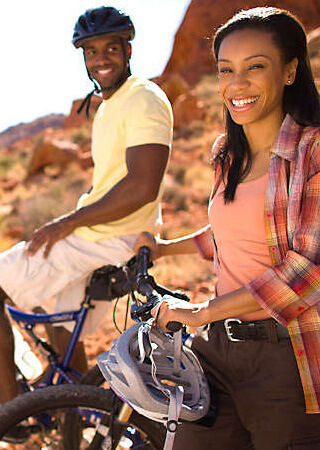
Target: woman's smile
(243,103)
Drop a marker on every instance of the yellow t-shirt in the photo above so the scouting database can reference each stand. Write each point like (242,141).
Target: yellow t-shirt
(137,113)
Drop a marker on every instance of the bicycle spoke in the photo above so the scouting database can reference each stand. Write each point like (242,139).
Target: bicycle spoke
(88,408)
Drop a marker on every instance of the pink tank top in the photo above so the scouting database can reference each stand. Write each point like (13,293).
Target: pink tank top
(240,235)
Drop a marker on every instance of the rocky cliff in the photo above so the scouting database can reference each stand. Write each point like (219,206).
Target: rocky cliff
(191,56)
(23,130)
(190,60)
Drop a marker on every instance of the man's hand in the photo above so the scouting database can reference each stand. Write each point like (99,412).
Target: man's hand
(49,234)
(146,238)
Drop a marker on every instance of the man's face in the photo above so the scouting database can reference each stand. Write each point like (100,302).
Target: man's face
(105,59)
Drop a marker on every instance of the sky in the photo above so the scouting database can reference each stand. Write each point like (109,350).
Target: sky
(42,73)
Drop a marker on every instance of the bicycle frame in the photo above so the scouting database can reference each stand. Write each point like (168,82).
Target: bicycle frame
(139,311)
(27,321)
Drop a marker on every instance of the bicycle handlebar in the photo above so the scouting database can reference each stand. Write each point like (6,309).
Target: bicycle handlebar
(153,292)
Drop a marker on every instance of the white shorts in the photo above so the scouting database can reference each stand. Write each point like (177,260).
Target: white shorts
(31,280)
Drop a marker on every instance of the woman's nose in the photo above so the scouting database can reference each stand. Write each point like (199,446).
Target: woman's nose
(239,79)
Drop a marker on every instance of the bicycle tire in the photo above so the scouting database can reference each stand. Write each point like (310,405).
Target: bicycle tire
(93,376)
(72,426)
(57,400)
(72,432)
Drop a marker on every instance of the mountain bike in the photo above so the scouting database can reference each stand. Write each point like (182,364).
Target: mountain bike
(106,284)
(83,416)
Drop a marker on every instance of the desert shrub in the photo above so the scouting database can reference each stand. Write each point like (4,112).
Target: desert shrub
(176,198)
(178,173)
(80,135)
(7,162)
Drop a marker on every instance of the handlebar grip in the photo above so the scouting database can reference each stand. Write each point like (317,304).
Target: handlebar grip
(174,326)
(147,288)
(144,257)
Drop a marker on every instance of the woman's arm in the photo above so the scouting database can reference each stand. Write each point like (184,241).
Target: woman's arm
(284,291)
(198,242)
(290,288)
(233,304)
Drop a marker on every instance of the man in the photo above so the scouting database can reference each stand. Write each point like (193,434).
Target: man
(131,139)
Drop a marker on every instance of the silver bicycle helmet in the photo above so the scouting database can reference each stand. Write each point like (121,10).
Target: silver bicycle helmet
(144,374)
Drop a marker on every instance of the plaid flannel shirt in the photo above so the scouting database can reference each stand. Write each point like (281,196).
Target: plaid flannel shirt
(290,289)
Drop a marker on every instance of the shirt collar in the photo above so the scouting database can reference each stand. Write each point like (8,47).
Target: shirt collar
(123,88)
(288,139)
(286,143)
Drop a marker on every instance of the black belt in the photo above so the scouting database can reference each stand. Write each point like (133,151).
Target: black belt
(258,330)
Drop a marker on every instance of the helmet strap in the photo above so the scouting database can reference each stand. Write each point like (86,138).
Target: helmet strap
(175,404)
(175,396)
(126,73)
(177,349)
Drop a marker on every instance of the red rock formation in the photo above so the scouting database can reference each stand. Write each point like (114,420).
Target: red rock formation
(25,130)
(75,120)
(173,86)
(59,154)
(314,42)
(191,51)
(187,108)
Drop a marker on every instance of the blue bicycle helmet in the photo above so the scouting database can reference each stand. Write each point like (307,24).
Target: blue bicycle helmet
(103,20)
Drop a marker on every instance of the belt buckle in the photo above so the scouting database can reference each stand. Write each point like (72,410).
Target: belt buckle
(228,329)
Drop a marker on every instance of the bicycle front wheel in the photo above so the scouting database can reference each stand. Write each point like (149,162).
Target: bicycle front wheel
(46,409)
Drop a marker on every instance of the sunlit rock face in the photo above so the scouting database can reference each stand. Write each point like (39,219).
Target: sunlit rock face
(191,50)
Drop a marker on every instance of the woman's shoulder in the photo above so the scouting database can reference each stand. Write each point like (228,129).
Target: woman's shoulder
(312,131)
(309,148)
(310,138)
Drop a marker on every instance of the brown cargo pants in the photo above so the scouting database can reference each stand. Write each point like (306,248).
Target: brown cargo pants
(261,403)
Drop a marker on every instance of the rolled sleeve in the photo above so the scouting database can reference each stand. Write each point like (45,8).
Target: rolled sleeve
(293,286)
(287,290)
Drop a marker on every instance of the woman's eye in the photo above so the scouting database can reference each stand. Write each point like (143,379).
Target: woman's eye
(224,70)
(256,66)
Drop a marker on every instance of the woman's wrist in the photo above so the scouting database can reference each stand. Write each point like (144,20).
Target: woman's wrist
(164,247)
(202,311)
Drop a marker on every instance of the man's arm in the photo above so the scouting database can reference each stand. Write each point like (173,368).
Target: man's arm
(146,165)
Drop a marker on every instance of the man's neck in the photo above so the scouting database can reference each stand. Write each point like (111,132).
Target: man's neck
(107,93)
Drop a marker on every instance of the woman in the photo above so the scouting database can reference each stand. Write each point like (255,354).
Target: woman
(263,352)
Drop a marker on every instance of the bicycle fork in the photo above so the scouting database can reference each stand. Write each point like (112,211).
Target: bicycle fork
(117,427)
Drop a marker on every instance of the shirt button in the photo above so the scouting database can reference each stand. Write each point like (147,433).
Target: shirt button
(273,249)
(269,214)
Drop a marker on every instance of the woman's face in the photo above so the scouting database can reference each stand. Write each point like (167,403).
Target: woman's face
(252,76)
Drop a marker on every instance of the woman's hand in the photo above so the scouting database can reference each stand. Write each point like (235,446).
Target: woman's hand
(146,238)
(173,309)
